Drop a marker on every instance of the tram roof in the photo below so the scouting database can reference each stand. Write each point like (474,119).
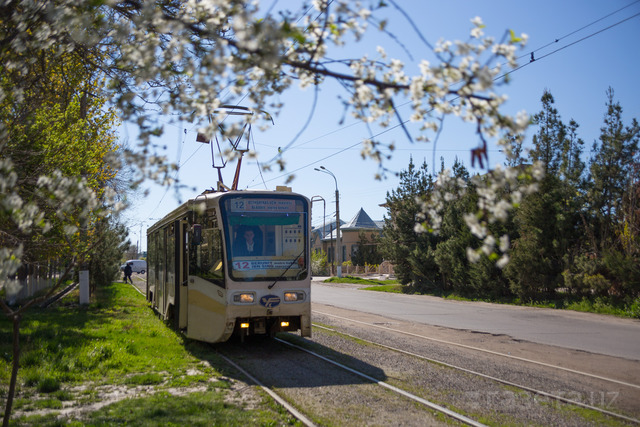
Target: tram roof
(187,206)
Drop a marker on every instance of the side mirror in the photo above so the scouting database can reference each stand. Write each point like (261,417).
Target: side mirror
(197,234)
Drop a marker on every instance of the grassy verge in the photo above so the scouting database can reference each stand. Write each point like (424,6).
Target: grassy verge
(361,281)
(113,362)
(597,305)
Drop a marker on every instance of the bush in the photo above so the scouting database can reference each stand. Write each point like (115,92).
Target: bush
(48,385)
(319,264)
(634,309)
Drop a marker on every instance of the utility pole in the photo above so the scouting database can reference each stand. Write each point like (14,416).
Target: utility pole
(338,237)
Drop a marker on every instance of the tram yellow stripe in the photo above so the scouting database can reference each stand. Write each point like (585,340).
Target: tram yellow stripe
(205,302)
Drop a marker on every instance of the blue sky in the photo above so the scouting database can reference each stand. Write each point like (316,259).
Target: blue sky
(577,69)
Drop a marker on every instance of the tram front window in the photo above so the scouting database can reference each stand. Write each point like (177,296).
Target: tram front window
(266,237)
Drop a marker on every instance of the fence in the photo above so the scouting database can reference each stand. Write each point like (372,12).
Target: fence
(29,280)
(384,269)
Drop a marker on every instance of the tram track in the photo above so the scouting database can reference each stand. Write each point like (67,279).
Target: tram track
(487,351)
(412,383)
(281,400)
(490,377)
(452,414)
(326,375)
(403,385)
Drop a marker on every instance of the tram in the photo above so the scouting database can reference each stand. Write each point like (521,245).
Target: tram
(233,263)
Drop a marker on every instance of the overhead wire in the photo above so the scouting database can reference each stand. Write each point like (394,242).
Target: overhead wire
(310,116)
(495,79)
(579,29)
(340,151)
(534,59)
(175,173)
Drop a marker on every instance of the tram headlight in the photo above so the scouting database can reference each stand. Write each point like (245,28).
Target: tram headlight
(244,298)
(293,296)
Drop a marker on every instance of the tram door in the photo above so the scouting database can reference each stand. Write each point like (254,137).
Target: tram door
(206,291)
(183,274)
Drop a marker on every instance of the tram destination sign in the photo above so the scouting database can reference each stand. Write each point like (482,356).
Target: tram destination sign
(269,264)
(263,205)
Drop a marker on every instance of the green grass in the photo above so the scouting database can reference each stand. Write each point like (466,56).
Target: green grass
(71,353)
(375,285)
(395,289)
(597,305)
(360,281)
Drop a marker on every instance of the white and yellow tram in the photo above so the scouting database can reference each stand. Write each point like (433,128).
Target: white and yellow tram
(233,262)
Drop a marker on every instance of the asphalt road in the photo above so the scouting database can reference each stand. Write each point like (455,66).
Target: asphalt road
(594,333)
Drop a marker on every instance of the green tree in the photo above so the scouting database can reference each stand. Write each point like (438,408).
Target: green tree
(611,218)
(411,252)
(319,263)
(367,252)
(59,139)
(455,237)
(547,222)
(479,279)
(550,138)
(610,174)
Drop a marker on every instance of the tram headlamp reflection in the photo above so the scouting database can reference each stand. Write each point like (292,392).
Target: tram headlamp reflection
(293,296)
(244,298)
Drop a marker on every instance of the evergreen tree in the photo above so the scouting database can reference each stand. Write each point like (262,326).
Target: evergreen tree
(454,234)
(548,221)
(535,267)
(412,253)
(367,252)
(610,221)
(572,167)
(610,174)
(549,141)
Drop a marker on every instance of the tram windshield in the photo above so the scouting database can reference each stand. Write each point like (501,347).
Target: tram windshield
(266,237)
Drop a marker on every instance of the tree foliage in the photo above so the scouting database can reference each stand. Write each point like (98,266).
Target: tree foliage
(56,179)
(577,237)
(61,59)
(367,252)
(411,252)
(180,57)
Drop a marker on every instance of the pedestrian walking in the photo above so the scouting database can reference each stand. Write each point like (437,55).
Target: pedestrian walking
(127,273)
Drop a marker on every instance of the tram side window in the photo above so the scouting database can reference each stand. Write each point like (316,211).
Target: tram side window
(152,268)
(205,255)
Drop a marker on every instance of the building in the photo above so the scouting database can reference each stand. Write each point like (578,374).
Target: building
(325,239)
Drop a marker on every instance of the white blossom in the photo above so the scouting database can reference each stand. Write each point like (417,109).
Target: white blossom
(208,48)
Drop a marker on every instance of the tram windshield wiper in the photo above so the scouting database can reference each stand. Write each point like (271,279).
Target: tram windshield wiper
(285,270)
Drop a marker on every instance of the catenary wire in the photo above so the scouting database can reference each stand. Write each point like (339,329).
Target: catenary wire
(495,79)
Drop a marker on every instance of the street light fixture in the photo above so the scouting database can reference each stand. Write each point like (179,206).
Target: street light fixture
(338,238)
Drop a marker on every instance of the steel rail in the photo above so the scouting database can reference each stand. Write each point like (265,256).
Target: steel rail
(489,377)
(413,397)
(495,353)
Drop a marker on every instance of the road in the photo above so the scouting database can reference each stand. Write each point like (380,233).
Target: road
(589,332)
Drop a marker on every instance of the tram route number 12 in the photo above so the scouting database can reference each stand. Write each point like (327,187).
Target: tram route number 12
(242,265)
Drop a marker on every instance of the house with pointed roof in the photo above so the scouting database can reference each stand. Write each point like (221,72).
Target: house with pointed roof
(325,239)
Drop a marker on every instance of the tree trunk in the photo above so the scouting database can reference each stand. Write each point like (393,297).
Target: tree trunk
(14,370)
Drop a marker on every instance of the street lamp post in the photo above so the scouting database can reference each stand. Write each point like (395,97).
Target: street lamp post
(324,214)
(338,238)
